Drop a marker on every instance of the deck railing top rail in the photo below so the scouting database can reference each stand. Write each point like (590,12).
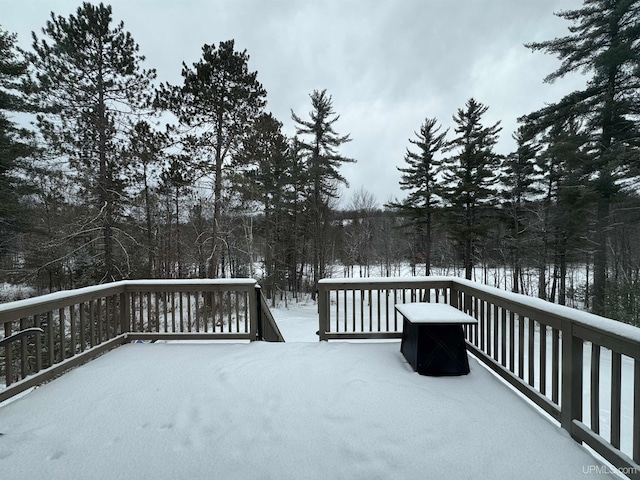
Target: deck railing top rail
(376,282)
(51,301)
(612,333)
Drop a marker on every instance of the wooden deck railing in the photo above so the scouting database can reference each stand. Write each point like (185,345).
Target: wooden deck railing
(554,355)
(364,308)
(78,325)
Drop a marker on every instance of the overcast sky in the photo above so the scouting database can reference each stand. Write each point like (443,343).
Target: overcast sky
(388,64)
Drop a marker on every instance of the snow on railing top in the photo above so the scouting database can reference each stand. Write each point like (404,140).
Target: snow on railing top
(587,319)
(114,288)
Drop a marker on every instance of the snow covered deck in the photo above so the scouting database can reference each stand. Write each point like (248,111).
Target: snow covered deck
(278,411)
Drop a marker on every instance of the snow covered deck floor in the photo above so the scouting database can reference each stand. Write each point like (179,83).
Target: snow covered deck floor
(278,411)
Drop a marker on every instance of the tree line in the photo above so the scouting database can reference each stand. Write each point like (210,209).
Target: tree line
(124,177)
(569,193)
(97,191)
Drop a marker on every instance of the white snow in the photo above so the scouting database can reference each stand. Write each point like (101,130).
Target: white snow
(299,322)
(581,317)
(434,313)
(11,292)
(279,411)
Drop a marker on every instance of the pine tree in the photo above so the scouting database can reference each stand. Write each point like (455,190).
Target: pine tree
(322,163)
(144,156)
(177,177)
(565,202)
(89,82)
(265,176)
(603,42)
(420,176)
(470,179)
(216,106)
(297,218)
(14,144)
(519,180)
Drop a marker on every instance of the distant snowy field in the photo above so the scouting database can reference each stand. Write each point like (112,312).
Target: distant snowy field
(10,292)
(498,276)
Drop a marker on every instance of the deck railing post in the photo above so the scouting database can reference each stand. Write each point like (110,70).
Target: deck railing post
(323,312)
(259,326)
(571,400)
(8,356)
(125,312)
(453,296)
(253,313)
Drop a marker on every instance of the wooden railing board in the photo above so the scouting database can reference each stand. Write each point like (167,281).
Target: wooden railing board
(624,463)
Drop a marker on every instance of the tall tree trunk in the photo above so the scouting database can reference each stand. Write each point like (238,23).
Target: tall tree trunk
(150,247)
(217,201)
(468,245)
(542,281)
(517,271)
(562,260)
(554,283)
(103,189)
(606,188)
(468,262)
(178,240)
(427,249)
(600,258)
(517,248)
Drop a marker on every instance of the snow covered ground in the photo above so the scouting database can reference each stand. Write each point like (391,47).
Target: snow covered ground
(279,411)
(298,322)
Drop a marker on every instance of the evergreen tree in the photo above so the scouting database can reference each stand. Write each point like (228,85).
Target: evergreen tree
(603,42)
(177,177)
(216,106)
(470,179)
(519,179)
(14,146)
(266,178)
(322,163)
(565,203)
(144,155)
(420,176)
(297,220)
(89,81)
